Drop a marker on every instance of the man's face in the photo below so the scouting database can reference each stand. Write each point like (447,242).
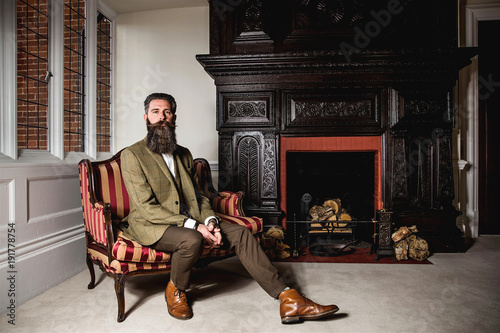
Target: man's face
(159,110)
(160,122)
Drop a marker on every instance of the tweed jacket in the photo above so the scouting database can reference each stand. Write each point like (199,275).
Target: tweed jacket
(157,199)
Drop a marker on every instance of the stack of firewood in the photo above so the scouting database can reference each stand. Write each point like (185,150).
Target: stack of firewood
(272,242)
(330,215)
(407,244)
(331,210)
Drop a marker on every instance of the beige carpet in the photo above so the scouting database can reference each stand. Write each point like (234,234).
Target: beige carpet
(460,292)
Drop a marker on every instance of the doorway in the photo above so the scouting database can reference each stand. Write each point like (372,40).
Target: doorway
(489,105)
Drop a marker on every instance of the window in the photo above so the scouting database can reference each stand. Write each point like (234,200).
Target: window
(55,89)
(32,74)
(74,75)
(103,83)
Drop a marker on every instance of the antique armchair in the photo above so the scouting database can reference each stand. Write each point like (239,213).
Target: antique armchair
(105,202)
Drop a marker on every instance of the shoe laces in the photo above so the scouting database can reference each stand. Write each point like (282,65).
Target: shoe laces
(180,294)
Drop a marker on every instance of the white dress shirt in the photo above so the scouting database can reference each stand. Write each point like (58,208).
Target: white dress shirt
(170,162)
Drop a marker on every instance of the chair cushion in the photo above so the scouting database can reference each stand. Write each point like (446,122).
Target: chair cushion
(98,253)
(129,250)
(123,267)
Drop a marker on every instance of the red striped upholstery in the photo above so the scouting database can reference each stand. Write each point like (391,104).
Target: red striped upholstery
(93,215)
(124,267)
(105,199)
(129,250)
(227,203)
(111,188)
(253,223)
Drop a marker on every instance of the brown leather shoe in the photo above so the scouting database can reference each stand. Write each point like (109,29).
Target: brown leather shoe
(295,307)
(177,303)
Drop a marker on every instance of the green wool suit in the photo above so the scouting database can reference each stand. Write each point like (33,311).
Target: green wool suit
(155,196)
(156,199)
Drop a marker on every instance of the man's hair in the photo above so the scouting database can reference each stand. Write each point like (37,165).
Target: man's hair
(163,96)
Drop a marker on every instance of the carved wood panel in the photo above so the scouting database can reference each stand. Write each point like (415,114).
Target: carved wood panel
(246,110)
(335,108)
(257,26)
(270,167)
(280,70)
(249,158)
(248,162)
(226,165)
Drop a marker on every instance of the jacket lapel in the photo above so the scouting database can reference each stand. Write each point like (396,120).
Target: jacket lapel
(187,188)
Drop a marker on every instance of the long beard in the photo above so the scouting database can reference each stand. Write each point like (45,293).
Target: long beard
(161,139)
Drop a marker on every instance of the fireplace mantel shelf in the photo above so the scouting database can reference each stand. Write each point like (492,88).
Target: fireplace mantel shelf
(375,61)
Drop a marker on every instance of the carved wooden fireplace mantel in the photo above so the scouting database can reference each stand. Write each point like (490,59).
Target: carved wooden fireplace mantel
(273,84)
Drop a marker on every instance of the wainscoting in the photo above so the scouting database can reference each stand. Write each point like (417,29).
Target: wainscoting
(43,240)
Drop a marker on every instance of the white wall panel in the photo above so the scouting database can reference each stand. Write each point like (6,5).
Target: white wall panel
(63,197)
(47,236)
(6,201)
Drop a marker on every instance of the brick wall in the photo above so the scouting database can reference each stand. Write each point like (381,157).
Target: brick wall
(32,66)
(74,75)
(103,84)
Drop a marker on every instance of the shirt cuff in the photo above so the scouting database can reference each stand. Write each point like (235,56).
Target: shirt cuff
(189,223)
(209,219)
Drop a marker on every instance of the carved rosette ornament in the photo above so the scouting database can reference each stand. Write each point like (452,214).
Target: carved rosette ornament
(254,20)
(425,108)
(318,13)
(246,109)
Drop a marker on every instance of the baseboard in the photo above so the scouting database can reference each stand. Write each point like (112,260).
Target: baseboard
(41,265)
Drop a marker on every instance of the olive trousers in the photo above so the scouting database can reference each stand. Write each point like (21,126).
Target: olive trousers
(186,246)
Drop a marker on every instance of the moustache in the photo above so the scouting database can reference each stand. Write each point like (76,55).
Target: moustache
(161,124)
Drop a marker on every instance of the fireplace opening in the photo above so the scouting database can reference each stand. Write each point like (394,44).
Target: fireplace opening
(348,176)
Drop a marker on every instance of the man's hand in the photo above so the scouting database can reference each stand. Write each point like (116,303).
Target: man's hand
(211,235)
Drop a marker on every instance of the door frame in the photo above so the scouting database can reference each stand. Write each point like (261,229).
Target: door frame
(468,123)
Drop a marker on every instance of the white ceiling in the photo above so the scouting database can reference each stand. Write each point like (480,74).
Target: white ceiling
(127,6)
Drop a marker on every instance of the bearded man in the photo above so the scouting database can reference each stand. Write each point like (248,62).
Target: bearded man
(169,213)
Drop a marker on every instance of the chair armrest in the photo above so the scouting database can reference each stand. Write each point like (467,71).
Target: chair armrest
(229,203)
(98,224)
(255,224)
(96,214)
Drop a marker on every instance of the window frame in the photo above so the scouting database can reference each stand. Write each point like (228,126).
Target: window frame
(9,152)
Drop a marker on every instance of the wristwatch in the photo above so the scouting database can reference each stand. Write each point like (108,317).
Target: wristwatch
(196,224)
(215,221)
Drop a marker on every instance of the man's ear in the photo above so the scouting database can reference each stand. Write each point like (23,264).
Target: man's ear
(145,117)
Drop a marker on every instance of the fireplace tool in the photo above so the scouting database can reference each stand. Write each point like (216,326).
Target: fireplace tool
(333,250)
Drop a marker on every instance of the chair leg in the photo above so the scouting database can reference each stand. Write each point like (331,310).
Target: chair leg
(120,296)
(90,266)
